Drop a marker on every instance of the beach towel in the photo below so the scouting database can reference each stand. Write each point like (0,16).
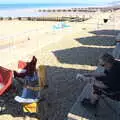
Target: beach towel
(60,25)
(25,100)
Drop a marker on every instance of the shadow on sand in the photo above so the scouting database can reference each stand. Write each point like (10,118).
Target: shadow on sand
(88,55)
(101,38)
(62,93)
(80,55)
(106,32)
(98,40)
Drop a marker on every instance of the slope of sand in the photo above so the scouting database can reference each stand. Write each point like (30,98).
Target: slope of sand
(65,52)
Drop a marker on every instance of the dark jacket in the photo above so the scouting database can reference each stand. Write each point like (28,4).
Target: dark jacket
(112,78)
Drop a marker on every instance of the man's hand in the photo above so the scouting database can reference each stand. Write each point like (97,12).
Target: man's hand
(80,77)
(94,74)
(87,74)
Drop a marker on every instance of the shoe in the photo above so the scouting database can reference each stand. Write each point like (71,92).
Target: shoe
(25,100)
(41,99)
(87,103)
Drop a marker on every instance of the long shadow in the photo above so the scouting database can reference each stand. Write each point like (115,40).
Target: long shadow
(97,40)
(101,38)
(105,32)
(62,92)
(80,55)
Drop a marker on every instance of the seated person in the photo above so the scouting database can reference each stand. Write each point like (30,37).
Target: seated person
(107,80)
(31,89)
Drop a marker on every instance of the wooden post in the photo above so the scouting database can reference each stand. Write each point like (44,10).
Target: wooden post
(42,75)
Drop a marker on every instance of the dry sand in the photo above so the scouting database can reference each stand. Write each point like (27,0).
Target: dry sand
(65,52)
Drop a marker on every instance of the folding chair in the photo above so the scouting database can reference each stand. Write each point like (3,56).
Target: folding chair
(114,96)
(5,79)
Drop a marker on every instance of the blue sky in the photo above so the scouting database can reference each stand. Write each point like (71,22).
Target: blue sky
(60,1)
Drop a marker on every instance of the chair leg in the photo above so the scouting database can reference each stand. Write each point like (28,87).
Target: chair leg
(117,115)
(96,115)
(2,106)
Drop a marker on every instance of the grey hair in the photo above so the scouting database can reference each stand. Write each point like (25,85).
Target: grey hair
(107,58)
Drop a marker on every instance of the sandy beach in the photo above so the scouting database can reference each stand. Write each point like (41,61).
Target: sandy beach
(65,52)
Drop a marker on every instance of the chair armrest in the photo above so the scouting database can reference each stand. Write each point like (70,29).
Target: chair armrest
(110,93)
(33,88)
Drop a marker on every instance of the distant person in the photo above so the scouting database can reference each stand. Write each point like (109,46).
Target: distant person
(109,80)
(105,20)
(28,38)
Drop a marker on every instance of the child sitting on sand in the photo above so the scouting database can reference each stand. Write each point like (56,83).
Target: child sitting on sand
(31,88)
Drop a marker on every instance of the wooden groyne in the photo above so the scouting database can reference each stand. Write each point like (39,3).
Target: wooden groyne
(68,14)
(71,19)
(87,9)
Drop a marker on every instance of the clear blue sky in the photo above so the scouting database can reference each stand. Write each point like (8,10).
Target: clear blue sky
(56,1)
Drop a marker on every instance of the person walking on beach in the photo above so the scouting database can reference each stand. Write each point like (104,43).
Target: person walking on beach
(28,38)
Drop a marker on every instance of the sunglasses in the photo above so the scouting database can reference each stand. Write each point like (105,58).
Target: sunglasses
(102,65)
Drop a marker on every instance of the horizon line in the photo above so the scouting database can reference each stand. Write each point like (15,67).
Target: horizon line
(51,3)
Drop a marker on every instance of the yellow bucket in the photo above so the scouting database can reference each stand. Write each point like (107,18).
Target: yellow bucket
(30,107)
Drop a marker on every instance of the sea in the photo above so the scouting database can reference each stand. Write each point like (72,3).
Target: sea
(31,10)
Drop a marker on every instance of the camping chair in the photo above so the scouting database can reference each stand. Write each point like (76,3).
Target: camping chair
(112,95)
(6,80)
(27,68)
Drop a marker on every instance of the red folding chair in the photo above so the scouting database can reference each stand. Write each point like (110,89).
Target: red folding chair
(22,64)
(5,79)
(30,68)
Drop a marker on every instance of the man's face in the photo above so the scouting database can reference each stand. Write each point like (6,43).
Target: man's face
(106,65)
